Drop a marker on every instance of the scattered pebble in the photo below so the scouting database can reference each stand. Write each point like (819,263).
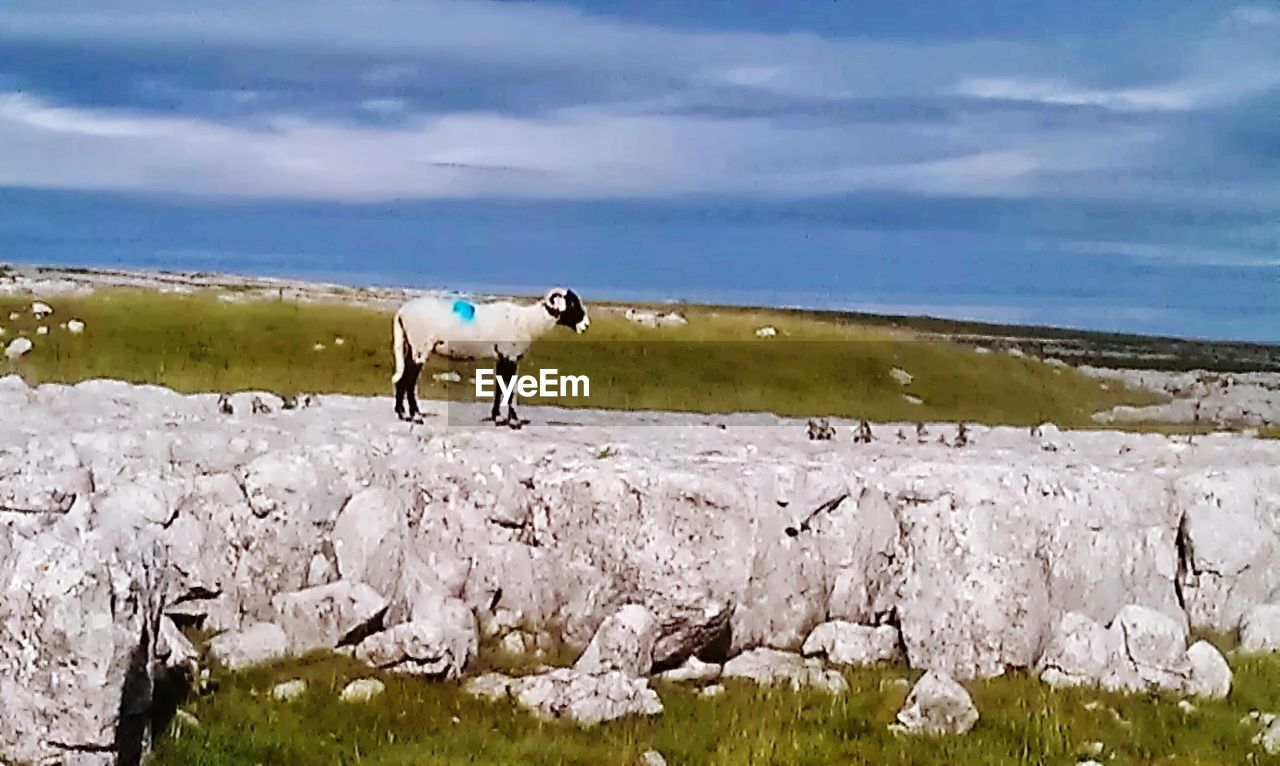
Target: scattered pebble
(339,341)
(42,330)
(902,376)
(318,347)
(362,690)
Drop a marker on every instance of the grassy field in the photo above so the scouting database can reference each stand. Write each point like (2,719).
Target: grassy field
(420,723)
(204,342)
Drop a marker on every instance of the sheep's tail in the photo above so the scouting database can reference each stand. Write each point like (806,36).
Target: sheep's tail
(399,347)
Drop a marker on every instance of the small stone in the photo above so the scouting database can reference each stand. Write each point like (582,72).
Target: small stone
(714,690)
(652,758)
(289,690)
(938,705)
(362,690)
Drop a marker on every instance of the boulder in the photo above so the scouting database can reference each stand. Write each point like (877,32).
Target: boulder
(585,698)
(254,644)
(624,643)
(1152,651)
(490,686)
(79,626)
(937,705)
(1080,652)
(847,643)
(174,649)
(1210,674)
(772,666)
(439,648)
(1260,629)
(328,616)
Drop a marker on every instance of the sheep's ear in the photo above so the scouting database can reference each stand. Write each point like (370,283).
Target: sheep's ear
(555,302)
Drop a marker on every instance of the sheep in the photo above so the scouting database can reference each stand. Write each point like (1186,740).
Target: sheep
(75,326)
(459,329)
(41,310)
(768,331)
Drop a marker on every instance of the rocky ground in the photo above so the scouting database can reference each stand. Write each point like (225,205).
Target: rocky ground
(1250,399)
(701,546)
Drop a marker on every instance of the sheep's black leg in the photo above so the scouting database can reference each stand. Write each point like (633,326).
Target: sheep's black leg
(400,398)
(506,374)
(410,381)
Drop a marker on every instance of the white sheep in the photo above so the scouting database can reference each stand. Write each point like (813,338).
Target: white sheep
(768,331)
(75,326)
(459,329)
(41,310)
(671,319)
(642,318)
(17,347)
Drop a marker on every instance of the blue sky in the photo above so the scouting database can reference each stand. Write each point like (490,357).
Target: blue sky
(1111,165)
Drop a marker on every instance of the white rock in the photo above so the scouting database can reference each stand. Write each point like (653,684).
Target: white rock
(1079,652)
(174,648)
(254,644)
(693,670)
(1210,673)
(1269,737)
(75,326)
(772,666)
(847,643)
(768,331)
(902,376)
(624,642)
(447,377)
(490,686)
(671,319)
(938,705)
(17,347)
(328,616)
(586,698)
(652,758)
(42,330)
(78,612)
(289,691)
(436,648)
(362,690)
(714,690)
(1260,629)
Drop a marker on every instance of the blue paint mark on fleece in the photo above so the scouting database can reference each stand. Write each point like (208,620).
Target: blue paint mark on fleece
(465,311)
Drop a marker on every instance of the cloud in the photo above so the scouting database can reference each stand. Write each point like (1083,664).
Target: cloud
(1061,93)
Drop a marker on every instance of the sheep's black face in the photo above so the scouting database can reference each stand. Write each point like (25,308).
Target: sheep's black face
(567,308)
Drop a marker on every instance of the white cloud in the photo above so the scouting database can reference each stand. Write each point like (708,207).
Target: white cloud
(583,152)
(1181,255)
(1059,92)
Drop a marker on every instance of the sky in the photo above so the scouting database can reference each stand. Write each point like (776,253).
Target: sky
(1112,164)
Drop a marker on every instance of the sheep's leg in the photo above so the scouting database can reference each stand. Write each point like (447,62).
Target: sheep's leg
(506,374)
(411,371)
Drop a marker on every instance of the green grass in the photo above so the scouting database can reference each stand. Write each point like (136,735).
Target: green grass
(816,367)
(420,722)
